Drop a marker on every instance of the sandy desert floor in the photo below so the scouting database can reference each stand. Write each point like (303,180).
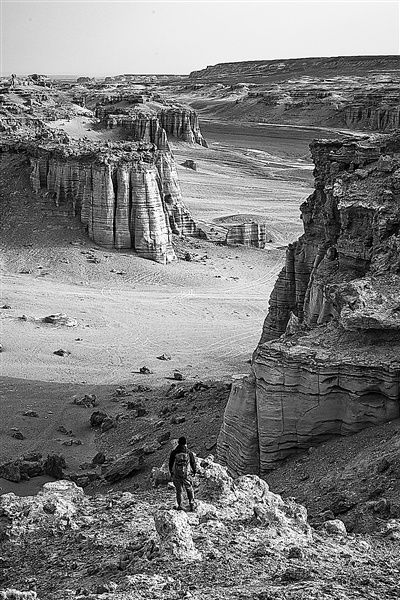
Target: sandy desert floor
(206,313)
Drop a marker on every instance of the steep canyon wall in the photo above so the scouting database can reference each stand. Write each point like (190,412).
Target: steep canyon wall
(127,195)
(154,126)
(328,361)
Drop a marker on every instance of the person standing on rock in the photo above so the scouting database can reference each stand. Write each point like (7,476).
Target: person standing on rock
(181,462)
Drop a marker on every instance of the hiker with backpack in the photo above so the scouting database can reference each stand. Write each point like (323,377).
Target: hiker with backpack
(181,462)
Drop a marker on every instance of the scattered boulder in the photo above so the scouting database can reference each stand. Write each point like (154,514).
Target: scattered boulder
(164,356)
(11,471)
(124,466)
(97,418)
(106,588)
(99,458)
(160,475)
(88,400)
(145,371)
(60,319)
(139,388)
(199,385)
(335,527)
(190,164)
(178,376)
(17,434)
(6,307)
(54,465)
(30,413)
(72,442)
(84,477)
(65,431)
(62,352)
(175,535)
(1,348)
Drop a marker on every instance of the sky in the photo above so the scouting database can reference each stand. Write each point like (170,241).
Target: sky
(96,38)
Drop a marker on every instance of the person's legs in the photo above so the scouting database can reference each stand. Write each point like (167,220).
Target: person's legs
(190,492)
(178,489)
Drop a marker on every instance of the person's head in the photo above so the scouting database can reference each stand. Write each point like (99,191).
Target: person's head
(182,441)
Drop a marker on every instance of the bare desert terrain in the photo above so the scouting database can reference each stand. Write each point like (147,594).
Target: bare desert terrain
(206,313)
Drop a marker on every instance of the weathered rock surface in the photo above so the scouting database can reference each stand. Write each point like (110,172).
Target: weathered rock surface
(12,594)
(358,92)
(127,195)
(336,370)
(58,506)
(131,545)
(249,234)
(154,124)
(125,465)
(249,497)
(175,535)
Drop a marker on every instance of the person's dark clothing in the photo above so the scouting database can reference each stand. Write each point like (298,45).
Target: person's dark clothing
(178,450)
(182,482)
(179,485)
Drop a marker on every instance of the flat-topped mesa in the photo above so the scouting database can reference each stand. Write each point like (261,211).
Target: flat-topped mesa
(248,234)
(151,125)
(336,367)
(126,194)
(137,125)
(182,123)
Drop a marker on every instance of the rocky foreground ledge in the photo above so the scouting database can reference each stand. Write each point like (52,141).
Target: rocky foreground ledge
(126,193)
(243,541)
(328,361)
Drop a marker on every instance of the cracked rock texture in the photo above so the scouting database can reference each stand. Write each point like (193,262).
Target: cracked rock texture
(127,194)
(328,361)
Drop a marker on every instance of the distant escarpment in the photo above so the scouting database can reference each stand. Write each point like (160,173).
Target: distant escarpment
(153,124)
(127,194)
(328,361)
(355,92)
(259,70)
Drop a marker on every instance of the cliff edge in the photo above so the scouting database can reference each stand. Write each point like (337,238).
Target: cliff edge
(328,361)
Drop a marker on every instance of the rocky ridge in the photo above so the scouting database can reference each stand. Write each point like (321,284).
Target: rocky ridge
(328,359)
(243,541)
(356,92)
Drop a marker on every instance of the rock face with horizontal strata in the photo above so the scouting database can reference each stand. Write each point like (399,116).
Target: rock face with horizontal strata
(336,305)
(153,125)
(127,195)
(248,234)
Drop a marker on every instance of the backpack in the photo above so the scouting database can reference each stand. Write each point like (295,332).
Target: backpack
(181,465)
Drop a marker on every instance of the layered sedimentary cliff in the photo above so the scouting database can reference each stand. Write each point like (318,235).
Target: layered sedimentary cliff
(336,368)
(358,92)
(182,123)
(126,194)
(378,112)
(249,234)
(153,124)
